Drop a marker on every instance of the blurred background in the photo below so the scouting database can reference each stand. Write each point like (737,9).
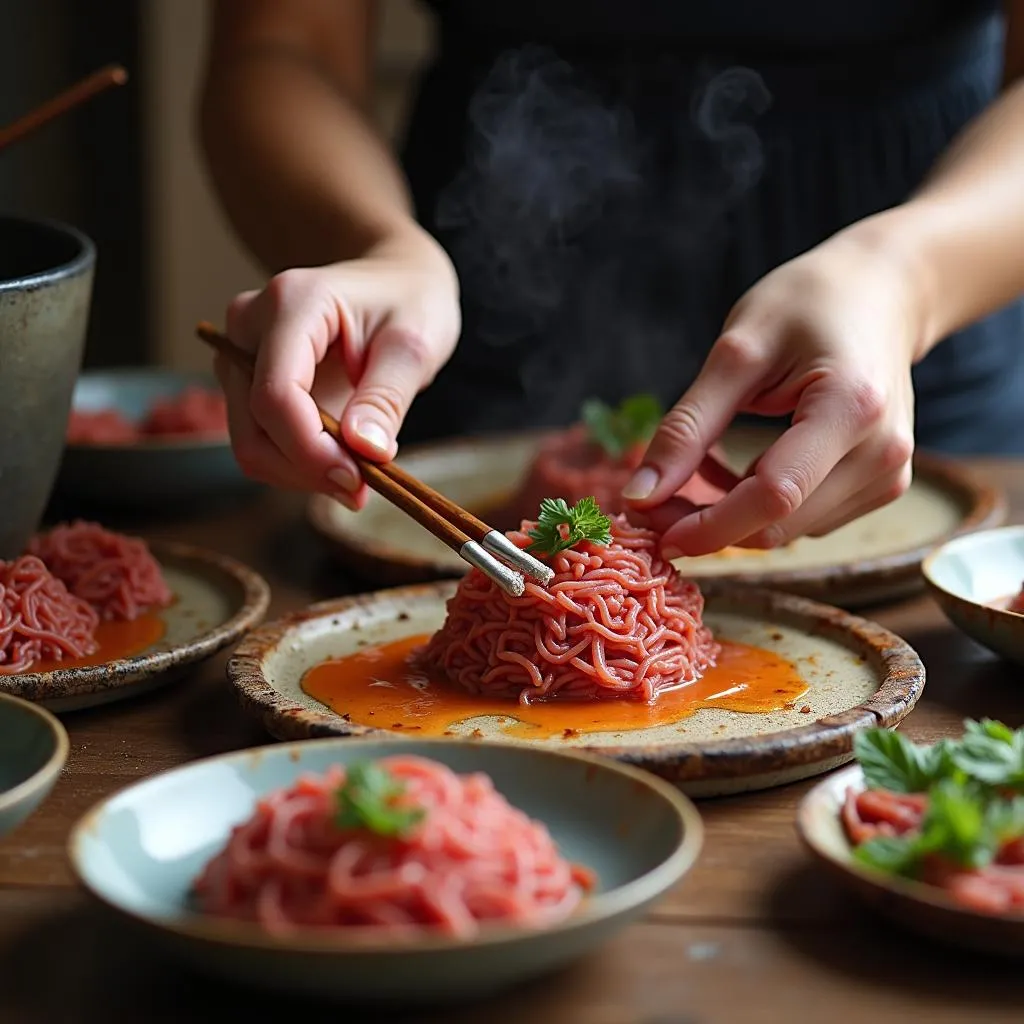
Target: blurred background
(126,170)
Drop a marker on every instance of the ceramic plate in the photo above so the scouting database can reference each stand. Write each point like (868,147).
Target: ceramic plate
(163,471)
(216,601)
(859,675)
(33,749)
(876,558)
(140,850)
(917,906)
(971,577)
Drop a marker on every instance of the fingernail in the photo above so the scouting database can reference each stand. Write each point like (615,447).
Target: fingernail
(374,433)
(670,554)
(343,478)
(643,483)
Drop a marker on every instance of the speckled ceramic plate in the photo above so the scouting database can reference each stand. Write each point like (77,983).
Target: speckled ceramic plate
(875,558)
(971,577)
(919,907)
(163,471)
(216,600)
(859,675)
(140,850)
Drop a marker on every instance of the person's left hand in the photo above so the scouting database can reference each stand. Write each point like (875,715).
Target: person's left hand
(830,337)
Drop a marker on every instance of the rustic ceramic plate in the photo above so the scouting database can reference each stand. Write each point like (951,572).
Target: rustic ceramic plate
(971,577)
(163,471)
(917,906)
(876,558)
(33,749)
(140,850)
(859,674)
(216,600)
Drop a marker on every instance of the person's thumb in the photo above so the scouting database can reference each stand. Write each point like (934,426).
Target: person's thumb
(399,364)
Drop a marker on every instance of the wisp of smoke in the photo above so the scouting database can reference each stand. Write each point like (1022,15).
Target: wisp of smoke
(590,202)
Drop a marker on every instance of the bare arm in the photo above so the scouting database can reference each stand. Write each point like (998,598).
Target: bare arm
(299,169)
(962,235)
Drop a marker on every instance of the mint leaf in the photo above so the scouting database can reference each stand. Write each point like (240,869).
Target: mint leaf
(992,753)
(1005,819)
(895,855)
(891,761)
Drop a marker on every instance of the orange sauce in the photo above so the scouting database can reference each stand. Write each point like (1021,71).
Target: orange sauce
(115,640)
(376,687)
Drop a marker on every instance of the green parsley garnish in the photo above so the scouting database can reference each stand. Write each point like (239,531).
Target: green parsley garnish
(975,790)
(618,430)
(560,527)
(370,799)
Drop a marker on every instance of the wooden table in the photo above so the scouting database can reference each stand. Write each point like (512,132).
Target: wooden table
(755,933)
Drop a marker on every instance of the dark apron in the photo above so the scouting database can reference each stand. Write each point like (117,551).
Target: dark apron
(607,196)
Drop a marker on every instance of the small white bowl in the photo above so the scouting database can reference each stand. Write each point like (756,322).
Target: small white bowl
(970,576)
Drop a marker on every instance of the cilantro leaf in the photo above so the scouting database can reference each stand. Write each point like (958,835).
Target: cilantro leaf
(890,761)
(992,753)
(616,430)
(559,527)
(369,798)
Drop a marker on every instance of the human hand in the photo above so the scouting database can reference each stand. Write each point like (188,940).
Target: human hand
(360,338)
(830,337)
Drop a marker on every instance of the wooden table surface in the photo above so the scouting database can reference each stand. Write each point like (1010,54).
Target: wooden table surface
(755,933)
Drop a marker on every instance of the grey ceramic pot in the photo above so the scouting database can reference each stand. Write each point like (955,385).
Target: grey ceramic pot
(46,275)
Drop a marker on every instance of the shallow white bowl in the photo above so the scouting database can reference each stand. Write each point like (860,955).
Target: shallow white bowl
(140,850)
(970,575)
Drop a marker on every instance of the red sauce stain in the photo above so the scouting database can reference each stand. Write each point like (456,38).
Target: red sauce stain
(376,687)
(116,640)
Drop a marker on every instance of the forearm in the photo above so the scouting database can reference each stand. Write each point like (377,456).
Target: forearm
(301,174)
(960,239)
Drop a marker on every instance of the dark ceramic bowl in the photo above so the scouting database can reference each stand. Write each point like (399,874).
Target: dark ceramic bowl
(155,473)
(46,275)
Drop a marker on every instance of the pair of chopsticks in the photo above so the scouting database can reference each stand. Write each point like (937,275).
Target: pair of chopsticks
(473,540)
(90,86)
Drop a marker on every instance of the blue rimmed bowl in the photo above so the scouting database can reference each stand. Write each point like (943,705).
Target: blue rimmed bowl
(153,473)
(33,750)
(140,851)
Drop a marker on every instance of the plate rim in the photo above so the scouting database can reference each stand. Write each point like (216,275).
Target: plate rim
(902,671)
(604,906)
(118,673)
(985,502)
(823,793)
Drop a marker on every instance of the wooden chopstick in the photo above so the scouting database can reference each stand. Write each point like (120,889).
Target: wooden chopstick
(90,86)
(463,532)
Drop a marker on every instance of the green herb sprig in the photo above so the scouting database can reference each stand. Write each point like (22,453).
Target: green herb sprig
(616,430)
(370,798)
(975,791)
(559,526)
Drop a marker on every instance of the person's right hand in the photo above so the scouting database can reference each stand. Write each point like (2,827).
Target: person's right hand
(360,338)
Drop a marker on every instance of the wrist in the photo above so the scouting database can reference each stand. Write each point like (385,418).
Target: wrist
(896,243)
(409,242)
